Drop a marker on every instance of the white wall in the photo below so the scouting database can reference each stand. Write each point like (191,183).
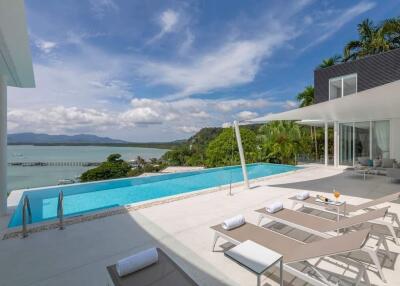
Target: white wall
(395,138)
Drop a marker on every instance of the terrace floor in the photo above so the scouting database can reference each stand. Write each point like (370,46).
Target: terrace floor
(79,254)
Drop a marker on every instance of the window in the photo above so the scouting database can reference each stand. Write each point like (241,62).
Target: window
(342,86)
(335,88)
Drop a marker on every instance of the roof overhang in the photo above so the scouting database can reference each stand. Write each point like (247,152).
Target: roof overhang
(15,56)
(382,102)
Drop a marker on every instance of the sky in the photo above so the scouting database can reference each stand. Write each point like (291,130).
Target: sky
(161,70)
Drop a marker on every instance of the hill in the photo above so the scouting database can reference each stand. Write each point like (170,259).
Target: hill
(36,138)
(82,140)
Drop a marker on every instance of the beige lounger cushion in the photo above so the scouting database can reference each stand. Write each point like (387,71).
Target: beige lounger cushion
(323,224)
(293,250)
(165,272)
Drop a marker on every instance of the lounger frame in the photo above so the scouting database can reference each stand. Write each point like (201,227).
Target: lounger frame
(306,278)
(371,251)
(388,225)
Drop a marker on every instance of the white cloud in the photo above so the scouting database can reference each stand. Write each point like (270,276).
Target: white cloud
(58,119)
(233,64)
(100,7)
(338,20)
(229,105)
(189,129)
(168,21)
(45,46)
(290,104)
(246,115)
(187,43)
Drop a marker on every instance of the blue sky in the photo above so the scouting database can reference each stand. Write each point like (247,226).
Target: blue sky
(161,70)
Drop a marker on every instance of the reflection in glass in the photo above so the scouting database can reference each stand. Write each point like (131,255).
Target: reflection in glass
(380,139)
(346,143)
(349,85)
(335,88)
(361,146)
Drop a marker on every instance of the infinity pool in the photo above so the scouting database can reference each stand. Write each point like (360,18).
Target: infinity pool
(84,198)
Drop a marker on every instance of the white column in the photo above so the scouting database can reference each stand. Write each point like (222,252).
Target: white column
(326,144)
(335,144)
(241,154)
(370,140)
(3,147)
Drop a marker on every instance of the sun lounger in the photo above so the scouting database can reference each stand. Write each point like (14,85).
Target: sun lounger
(318,225)
(322,226)
(294,251)
(311,201)
(165,272)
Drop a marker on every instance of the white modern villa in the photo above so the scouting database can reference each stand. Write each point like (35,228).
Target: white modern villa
(256,224)
(360,100)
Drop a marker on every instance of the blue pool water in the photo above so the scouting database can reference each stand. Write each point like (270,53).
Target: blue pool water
(83,198)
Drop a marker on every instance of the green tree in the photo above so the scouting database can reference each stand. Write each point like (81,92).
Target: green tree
(114,158)
(282,141)
(373,39)
(331,61)
(306,97)
(223,150)
(113,168)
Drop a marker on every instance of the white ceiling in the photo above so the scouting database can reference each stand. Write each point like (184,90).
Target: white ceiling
(15,56)
(377,103)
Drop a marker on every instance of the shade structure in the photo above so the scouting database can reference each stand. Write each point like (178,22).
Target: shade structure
(15,70)
(373,104)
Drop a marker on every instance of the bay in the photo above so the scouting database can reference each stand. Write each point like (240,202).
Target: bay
(39,176)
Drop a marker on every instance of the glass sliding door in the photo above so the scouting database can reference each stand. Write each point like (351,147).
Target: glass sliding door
(362,140)
(346,144)
(380,139)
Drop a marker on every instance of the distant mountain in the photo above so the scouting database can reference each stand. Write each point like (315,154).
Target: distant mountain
(35,138)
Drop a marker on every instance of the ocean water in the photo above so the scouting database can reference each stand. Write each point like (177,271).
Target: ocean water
(88,197)
(31,177)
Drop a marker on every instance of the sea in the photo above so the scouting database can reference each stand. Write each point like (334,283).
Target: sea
(20,177)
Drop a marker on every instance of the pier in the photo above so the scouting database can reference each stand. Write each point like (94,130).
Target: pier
(55,164)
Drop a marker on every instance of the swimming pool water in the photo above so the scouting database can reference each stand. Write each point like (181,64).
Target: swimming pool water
(83,198)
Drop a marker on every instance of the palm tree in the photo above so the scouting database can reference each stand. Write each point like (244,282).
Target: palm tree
(331,61)
(281,141)
(373,39)
(140,161)
(306,97)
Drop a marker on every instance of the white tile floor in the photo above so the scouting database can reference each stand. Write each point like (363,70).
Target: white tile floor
(79,254)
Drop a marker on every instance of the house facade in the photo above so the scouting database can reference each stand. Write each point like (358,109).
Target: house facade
(361,101)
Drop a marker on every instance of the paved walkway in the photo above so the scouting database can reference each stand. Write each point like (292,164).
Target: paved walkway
(79,254)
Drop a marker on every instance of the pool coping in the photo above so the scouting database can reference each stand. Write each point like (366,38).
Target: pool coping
(15,232)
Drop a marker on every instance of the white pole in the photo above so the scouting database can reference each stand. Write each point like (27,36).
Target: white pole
(335,144)
(3,146)
(241,154)
(326,144)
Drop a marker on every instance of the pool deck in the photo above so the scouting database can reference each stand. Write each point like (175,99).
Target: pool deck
(79,254)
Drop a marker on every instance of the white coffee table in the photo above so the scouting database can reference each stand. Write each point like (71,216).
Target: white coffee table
(256,258)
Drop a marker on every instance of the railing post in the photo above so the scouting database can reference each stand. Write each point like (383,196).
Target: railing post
(26,211)
(60,209)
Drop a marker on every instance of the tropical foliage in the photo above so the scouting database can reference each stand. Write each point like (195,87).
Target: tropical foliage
(306,97)
(331,61)
(282,142)
(113,168)
(373,39)
(223,150)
